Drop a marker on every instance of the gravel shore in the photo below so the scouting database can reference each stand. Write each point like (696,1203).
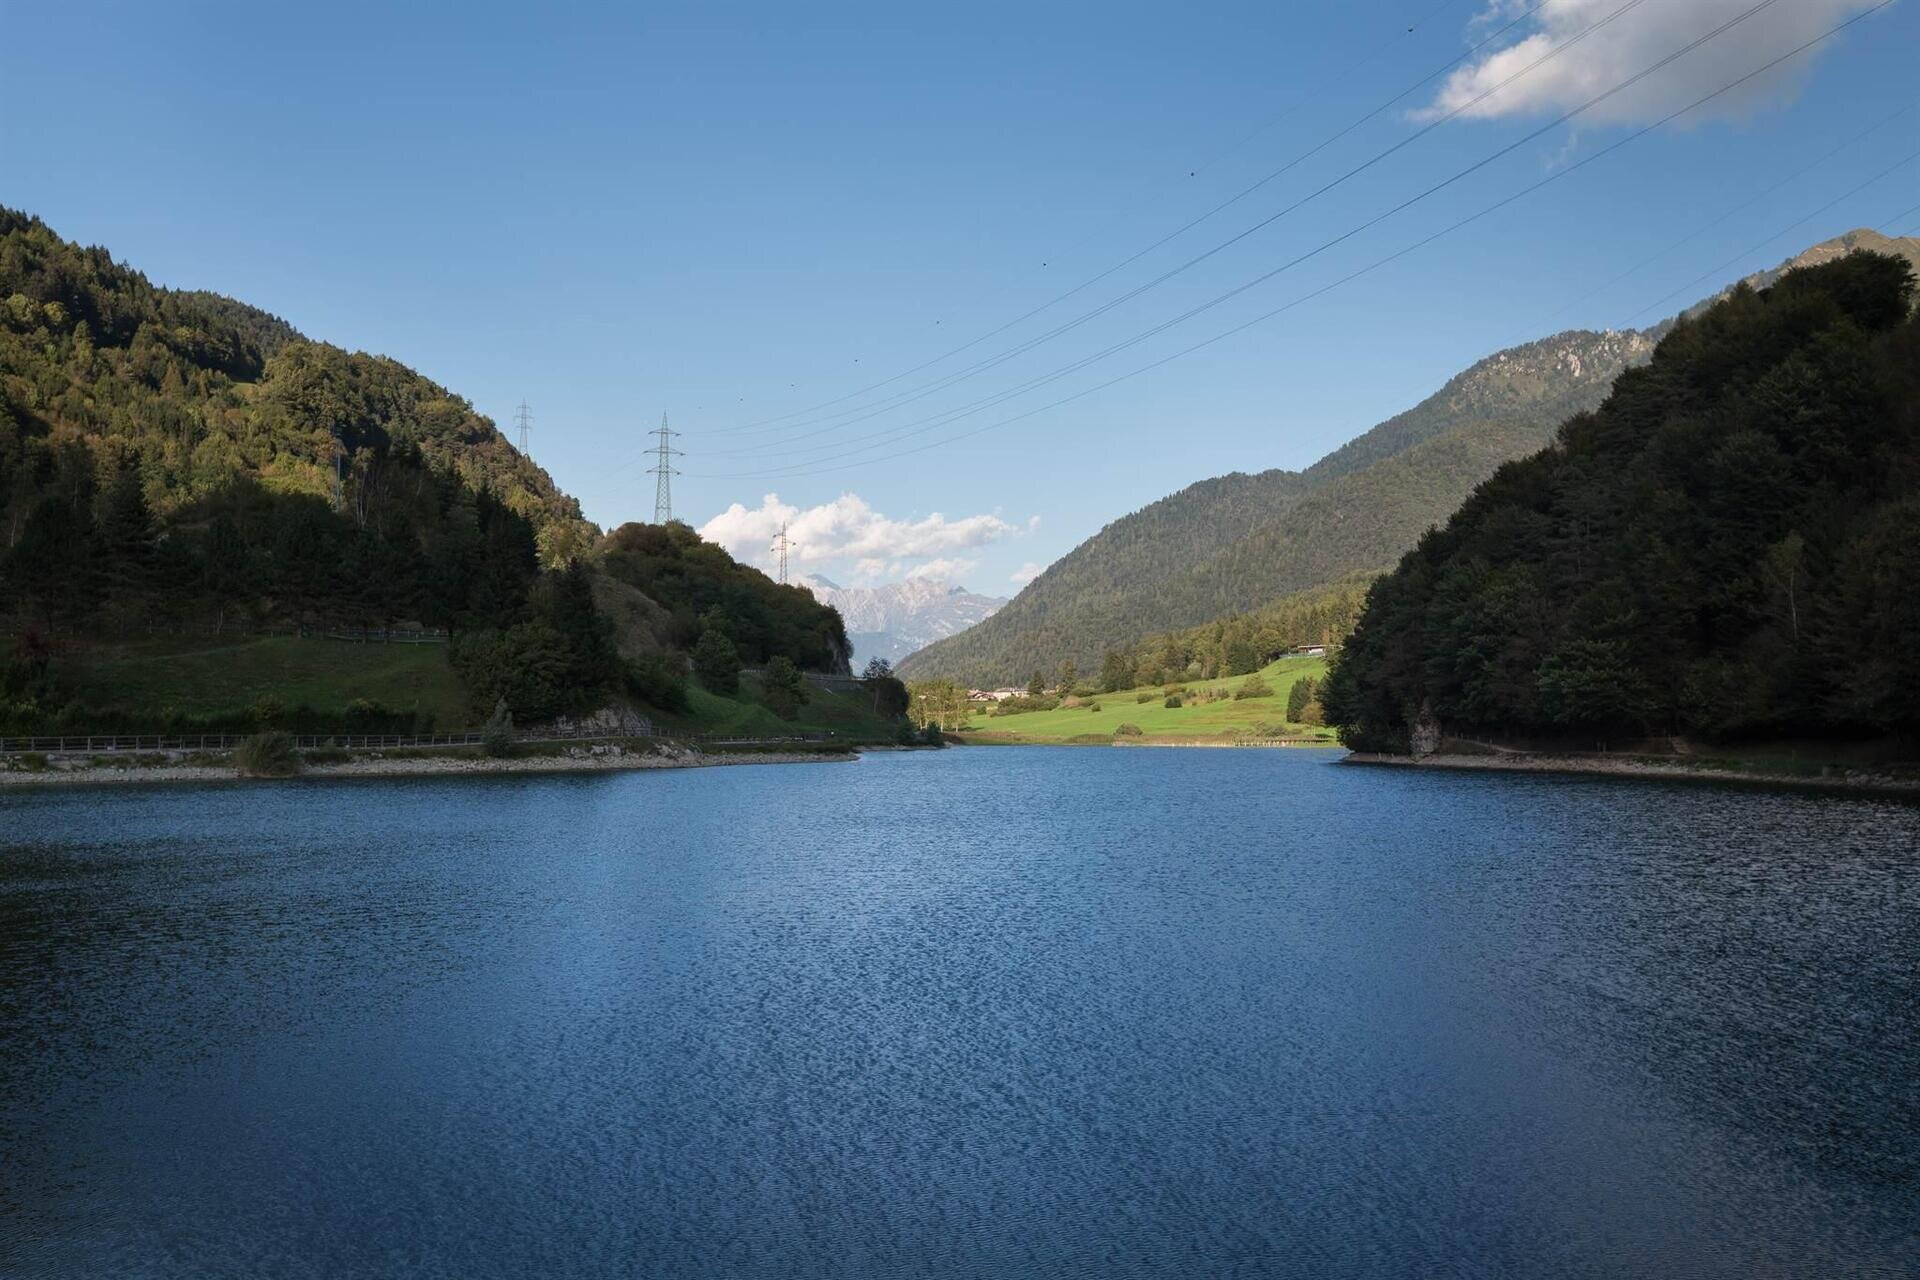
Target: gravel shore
(587,760)
(1838,779)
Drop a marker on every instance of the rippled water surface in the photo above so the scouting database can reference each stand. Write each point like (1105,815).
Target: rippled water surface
(992,1012)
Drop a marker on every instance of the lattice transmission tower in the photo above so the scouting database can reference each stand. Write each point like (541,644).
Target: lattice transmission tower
(663,469)
(523,419)
(782,544)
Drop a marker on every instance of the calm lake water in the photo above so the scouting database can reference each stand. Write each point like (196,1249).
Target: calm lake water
(991,1012)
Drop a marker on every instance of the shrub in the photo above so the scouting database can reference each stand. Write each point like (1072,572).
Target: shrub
(933,736)
(1146,697)
(716,663)
(1253,687)
(267,754)
(906,737)
(267,711)
(31,761)
(1128,731)
(783,688)
(1304,690)
(653,679)
(1093,706)
(1173,702)
(496,737)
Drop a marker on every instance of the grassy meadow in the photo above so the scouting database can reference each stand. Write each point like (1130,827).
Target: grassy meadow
(1220,721)
(207,676)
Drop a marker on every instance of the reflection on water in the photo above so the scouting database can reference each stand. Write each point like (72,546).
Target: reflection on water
(990,1012)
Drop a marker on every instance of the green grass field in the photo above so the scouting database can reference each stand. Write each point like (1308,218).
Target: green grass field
(206,677)
(202,676)
(1213,721)
(844,715)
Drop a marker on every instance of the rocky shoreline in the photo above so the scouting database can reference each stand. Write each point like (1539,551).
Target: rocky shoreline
(602,760)
(1834,778)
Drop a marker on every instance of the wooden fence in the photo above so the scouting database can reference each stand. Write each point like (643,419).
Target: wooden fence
(112,743)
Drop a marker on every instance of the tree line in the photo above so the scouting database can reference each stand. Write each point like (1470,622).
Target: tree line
(1729,546)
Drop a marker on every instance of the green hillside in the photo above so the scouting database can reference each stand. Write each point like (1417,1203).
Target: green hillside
(1232,544)
(1728,547)
(1208,712)
(178,464)
(1229,546)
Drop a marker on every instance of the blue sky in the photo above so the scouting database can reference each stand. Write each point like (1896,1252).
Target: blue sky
(734,213)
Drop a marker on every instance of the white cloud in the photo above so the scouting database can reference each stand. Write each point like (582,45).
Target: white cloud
(1630,44)
(848,529)
(1026,573)
(948,569)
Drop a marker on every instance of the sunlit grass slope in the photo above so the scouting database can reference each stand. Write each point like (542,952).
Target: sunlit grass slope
(1209,721)
(203,677)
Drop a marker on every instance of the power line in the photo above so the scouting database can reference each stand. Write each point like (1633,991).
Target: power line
(767,423)
(935,421)
(1698,231)
(1755,248)
(1327,288)
(981,366)
(663,468)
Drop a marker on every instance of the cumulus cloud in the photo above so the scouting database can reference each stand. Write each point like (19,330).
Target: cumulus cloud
(849,529)
(1026,573)
(945,569)
(1631,43)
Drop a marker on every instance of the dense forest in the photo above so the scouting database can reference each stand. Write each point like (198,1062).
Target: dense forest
(702,588)
(1229,545)
(1729,546)
(177,456)
(178,462)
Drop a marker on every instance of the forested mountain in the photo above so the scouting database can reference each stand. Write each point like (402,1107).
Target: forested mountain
(196,390)
(177,460)
(1232,544)
(1229,546)
(1728,546)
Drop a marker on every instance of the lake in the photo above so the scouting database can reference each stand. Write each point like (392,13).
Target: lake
(982,1012)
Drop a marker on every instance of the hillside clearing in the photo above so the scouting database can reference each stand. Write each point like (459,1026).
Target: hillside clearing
(1221,721)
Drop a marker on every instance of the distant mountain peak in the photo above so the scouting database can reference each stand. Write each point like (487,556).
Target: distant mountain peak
(895,619)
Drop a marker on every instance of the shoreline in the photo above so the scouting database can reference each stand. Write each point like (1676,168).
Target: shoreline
(419,766)
(1832,778)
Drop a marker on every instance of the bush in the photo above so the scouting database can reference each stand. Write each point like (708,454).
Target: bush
(1173,702)
(783,688)
(1304,690)
(906,737)
(1253,687)
(889,695)
(1144,698)
(527,665)
(1093,706)
(654,680)
(267,711)
(1128,731)
(933,736)
(32,761)
(496,738)
(716,663)
(267,754)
